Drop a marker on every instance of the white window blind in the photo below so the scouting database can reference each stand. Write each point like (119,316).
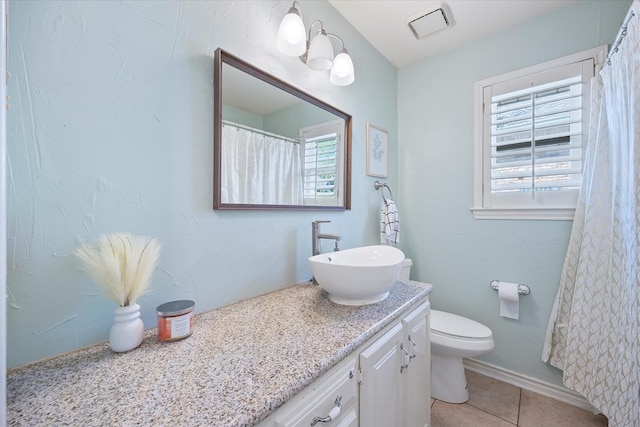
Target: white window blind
(537,137)
(322,165)
(531,128)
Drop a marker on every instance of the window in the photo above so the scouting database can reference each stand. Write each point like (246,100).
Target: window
(321,160)
(531,129)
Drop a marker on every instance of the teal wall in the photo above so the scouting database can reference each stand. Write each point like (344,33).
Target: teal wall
(289,121)
(286,122)
(459,255)
(240,116)
(111,129)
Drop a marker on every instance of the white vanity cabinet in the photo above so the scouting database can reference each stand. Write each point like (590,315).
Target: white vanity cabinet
(382,367)
(384,383)
(395,370)
(417,381)
(331,400)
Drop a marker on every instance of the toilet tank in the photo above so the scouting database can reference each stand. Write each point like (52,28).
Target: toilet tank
(406,269)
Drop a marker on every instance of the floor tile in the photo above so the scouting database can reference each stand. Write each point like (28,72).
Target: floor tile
(537,410)
(495,397)
(462,415)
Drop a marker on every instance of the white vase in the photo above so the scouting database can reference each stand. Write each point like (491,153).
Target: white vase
(127,330)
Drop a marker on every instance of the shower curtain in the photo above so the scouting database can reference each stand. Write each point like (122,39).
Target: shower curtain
(259,169)
(594,327)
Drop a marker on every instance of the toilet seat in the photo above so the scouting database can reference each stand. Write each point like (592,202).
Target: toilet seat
(449,324)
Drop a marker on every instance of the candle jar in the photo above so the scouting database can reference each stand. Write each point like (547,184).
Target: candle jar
(175,320)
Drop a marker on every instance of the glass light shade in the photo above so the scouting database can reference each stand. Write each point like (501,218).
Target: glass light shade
(292,37)
(342,73)
(320,56)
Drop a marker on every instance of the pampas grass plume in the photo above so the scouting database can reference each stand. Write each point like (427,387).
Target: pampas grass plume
(121,264)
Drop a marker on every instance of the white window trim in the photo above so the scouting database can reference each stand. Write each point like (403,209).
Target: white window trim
(480,211)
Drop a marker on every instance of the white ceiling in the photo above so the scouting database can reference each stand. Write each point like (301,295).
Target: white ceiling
(384,23)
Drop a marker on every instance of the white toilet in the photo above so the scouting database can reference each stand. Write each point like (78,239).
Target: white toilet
(453,338)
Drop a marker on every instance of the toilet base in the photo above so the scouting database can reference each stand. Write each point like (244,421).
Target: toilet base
(448,381)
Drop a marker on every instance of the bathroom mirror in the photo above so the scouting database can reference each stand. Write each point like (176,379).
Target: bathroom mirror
(275,146)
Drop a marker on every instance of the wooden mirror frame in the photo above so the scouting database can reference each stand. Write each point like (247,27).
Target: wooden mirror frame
(223,57)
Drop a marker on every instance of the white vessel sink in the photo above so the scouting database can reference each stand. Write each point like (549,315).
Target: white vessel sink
(358,276)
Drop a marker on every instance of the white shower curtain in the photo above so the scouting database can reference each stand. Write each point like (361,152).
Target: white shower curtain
(259,169)
(594,327)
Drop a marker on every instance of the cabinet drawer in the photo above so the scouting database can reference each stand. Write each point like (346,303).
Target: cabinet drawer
(321,400)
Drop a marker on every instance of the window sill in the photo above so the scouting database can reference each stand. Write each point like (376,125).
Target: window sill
(553,214)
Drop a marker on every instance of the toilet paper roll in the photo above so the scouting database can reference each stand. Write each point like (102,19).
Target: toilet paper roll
(509,300)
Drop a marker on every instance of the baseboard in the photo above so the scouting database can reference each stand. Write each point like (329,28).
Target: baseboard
(560,393)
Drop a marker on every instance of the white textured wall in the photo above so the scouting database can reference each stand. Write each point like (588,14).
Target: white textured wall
(456,253)
(111,129)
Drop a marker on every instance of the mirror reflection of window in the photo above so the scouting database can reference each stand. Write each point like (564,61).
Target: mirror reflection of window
(322,155)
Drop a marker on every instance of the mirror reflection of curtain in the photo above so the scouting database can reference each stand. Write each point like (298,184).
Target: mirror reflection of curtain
(259,169)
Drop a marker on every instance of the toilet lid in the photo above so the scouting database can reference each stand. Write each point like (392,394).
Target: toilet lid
(452,324)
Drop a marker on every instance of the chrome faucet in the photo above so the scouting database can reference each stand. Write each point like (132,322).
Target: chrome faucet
(316,236)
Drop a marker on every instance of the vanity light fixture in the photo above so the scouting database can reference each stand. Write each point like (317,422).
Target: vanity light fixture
(316,52)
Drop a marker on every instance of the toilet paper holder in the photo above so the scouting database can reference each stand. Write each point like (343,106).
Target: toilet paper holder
(522,289)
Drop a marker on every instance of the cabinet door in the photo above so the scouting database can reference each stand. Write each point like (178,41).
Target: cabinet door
(337,389)
(381,387)
(417,384)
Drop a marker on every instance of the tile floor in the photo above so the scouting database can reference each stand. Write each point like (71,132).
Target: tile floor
(493,403)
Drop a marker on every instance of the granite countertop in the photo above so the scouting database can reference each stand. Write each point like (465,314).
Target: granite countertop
(242,362)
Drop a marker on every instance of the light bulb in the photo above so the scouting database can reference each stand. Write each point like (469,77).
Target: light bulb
(320,56)
(342,73)
(292,38)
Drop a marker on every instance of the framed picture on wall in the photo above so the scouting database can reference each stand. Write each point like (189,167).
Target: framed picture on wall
(377,151)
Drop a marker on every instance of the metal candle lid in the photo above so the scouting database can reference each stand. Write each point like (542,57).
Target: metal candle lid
(175,308)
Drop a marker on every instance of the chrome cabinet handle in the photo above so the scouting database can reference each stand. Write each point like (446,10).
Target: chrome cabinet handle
(415,345)
(333,413)
(404,350)
(406,353)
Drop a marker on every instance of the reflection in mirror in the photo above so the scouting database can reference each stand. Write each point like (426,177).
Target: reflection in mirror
(276,147)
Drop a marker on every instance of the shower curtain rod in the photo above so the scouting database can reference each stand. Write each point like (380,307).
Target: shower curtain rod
(260,131)
(622,32)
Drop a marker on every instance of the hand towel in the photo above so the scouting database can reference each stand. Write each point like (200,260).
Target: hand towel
(389,223)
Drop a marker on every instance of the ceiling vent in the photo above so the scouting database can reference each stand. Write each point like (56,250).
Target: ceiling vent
(428,22)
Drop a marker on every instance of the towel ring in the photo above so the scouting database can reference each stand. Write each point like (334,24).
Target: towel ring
(379,185)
